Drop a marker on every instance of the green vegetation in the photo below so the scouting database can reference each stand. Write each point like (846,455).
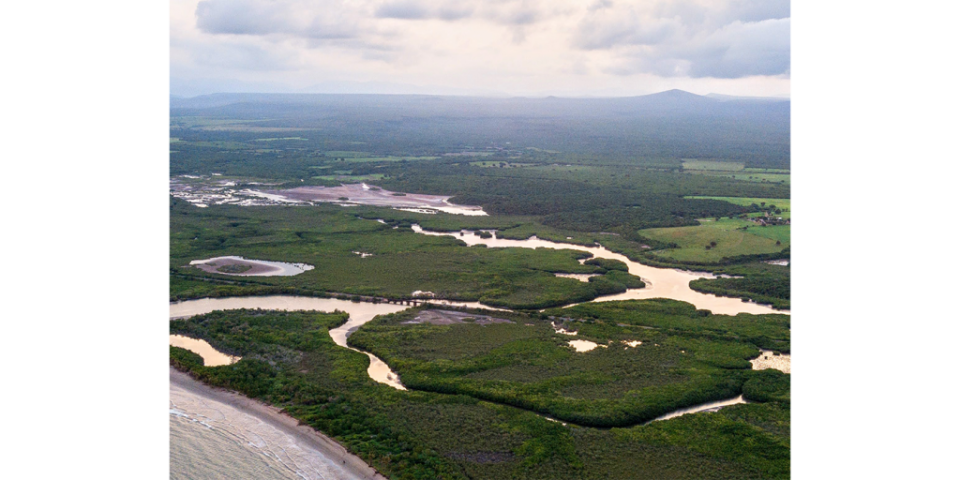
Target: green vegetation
(403,261)
(502,164)
(688,357)
(350,178)
(761,282)
(607,264)
(290,361)
(782,204)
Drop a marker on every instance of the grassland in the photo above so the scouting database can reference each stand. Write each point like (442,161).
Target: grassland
(290,361)
(712,165)
(737,171)
(725,238)
(765,170)
(779,233)
(753,177)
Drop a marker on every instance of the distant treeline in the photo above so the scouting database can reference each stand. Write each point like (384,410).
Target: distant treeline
(673,124)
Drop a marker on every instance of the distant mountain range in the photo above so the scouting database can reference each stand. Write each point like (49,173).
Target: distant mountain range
(669,98)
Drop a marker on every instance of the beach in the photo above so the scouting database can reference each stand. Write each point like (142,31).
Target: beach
(332,458)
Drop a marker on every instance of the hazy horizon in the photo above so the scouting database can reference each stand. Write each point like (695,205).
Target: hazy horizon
(785,97)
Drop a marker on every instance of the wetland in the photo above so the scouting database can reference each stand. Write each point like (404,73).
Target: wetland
(442,305)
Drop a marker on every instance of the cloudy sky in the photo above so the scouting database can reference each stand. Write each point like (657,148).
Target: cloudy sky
(495,47)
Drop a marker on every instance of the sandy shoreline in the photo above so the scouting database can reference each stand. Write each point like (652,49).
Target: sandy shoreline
(281,421)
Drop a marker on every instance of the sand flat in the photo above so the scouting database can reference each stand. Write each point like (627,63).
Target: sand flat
(363,194)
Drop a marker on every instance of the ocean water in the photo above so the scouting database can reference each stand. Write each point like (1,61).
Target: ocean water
(214,440)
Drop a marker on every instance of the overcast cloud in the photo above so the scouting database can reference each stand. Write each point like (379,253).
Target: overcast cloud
(515,47)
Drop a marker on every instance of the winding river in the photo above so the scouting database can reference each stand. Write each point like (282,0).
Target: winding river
(661,283)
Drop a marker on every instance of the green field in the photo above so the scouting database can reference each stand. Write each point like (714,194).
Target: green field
(766,170)
(731,240)
(782,203)
(736,171)
(776,233)
(712,165)
(752,177)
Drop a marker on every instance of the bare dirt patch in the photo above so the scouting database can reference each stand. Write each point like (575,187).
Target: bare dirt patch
(242,267)
(363,194)
(450,317)
(232,266)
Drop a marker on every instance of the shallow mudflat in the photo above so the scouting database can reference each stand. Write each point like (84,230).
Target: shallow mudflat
(769,359)
(244,267)
(363,194)
(450,317)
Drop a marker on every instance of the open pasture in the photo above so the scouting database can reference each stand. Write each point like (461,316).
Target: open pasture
(728,234)
(712,165)
(751,177)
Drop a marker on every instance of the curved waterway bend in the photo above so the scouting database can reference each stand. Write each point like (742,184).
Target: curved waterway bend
(661,282)
(360,313)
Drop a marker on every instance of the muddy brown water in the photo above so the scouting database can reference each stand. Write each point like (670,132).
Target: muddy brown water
(661,282)
(211,357)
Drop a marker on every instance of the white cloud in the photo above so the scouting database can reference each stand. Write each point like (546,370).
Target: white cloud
(688,38)
(513,46)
